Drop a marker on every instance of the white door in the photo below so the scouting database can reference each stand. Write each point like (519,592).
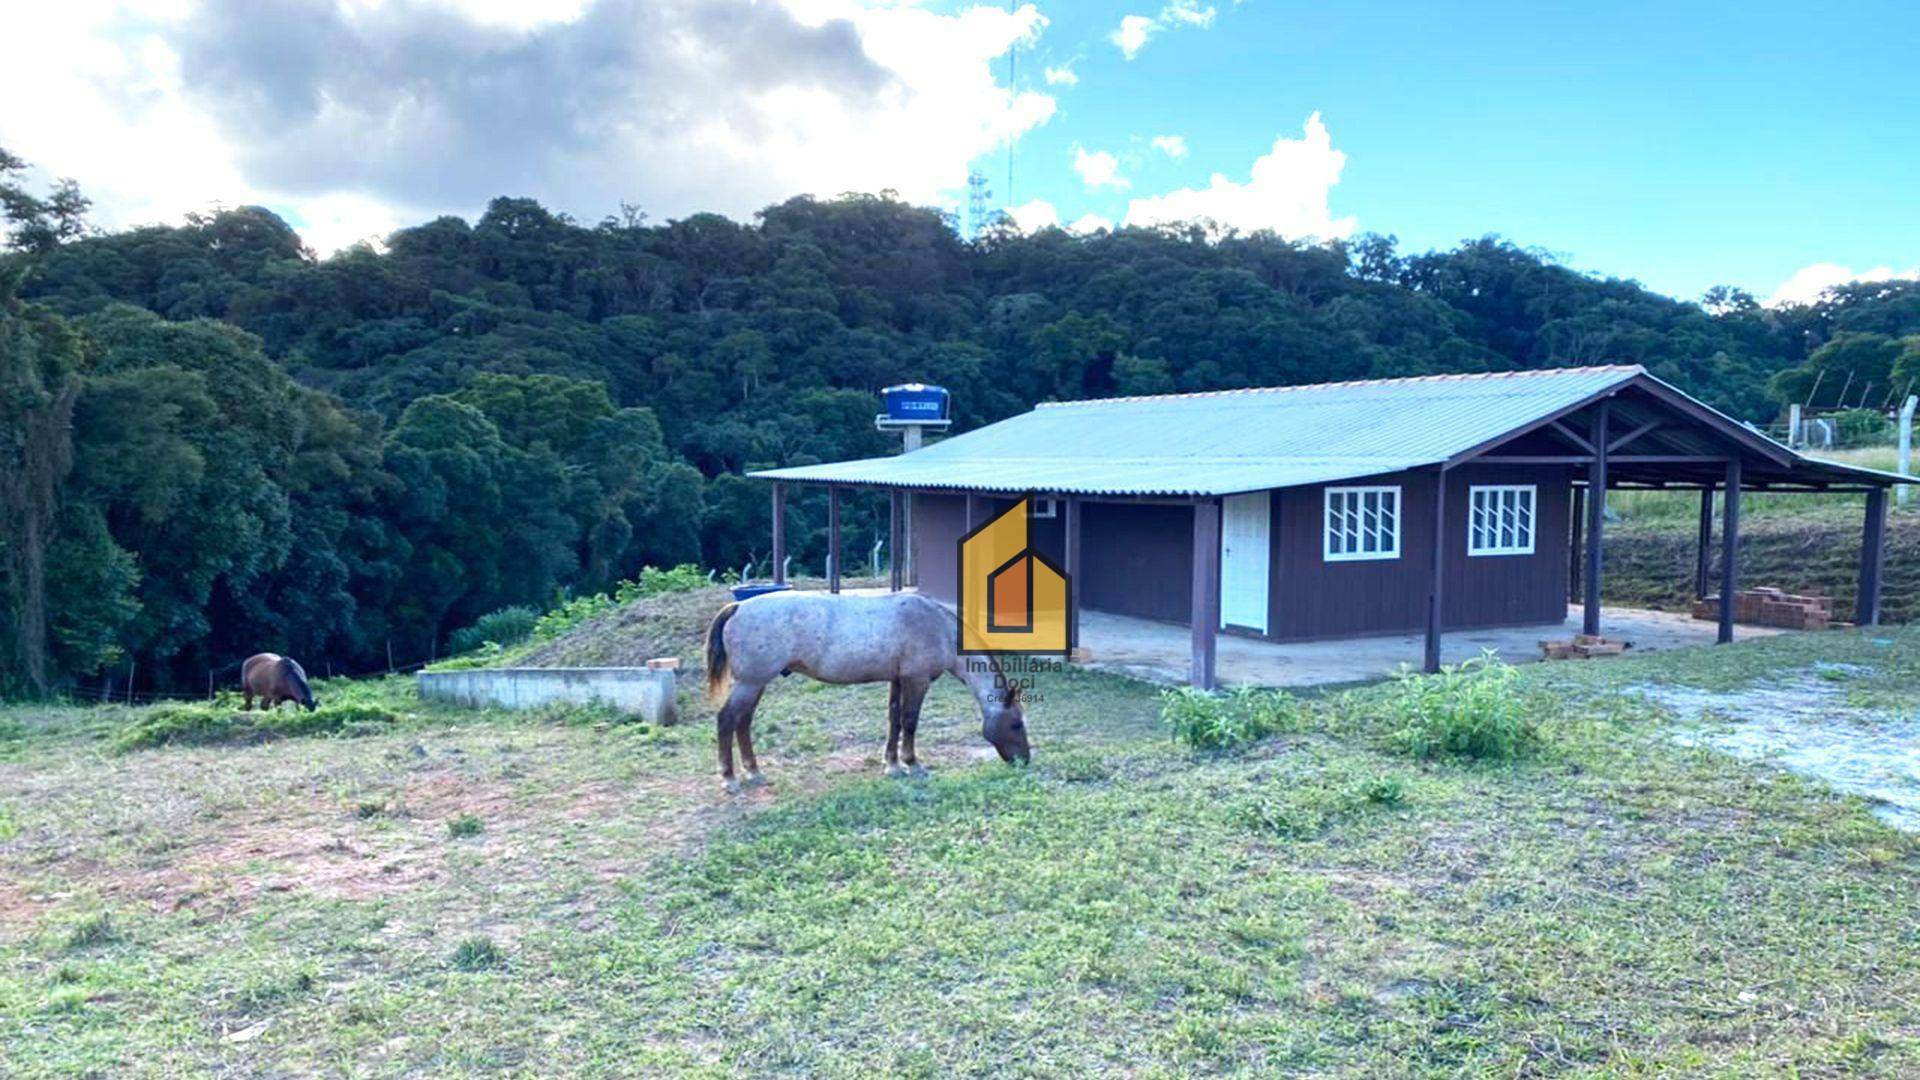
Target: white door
(1244,560)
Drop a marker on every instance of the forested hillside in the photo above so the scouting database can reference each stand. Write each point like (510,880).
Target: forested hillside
(213,442)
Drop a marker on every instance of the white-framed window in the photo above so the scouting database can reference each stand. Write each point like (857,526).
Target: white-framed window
(1046,508)
(1361,523)
(1500,519)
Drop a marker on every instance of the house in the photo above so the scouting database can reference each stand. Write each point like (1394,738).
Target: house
(1427,504)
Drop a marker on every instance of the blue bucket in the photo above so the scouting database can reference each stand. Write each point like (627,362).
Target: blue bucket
(747,590)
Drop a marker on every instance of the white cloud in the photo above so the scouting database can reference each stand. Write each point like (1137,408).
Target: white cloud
(1807,283)
(1132,34)
(1034,216)
(1062,75)
(1287,192)
(1098,169)
(1174,146)
(1188,12)
(1134,30)
(1040,214)
(166,106)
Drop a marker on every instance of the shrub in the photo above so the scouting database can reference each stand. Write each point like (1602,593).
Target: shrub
(200,724)
(508,626)
(465,825)
(1227,721)
(568,613)
(93,930)
(1471,710)
(1384,791)
(478,954)
(654,581)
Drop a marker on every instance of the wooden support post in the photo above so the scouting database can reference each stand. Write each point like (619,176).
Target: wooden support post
(779,534)
(1436,573)
(909,573)
(1872,555)
(1206,591)
(894,528)
(1579,524)
(1729,550)
(1596,518)
(1704,555)
(833,539)
(1072,527)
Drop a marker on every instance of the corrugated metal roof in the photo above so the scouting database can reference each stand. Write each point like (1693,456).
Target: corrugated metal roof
(1228,441)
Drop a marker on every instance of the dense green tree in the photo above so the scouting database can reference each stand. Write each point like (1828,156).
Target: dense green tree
(334,456)
(39,355)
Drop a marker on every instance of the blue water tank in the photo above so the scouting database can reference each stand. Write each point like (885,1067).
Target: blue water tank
(747,590)
(909,402)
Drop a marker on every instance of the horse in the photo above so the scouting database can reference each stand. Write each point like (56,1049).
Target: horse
(903,639)
(274,679)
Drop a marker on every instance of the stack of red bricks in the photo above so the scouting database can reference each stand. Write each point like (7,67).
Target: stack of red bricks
(1582,647)
(1772,607)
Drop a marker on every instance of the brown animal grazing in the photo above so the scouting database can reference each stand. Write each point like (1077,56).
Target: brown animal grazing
(900,638)
(273,679)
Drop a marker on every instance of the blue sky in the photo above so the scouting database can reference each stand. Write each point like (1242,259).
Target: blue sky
(1765,145)
(1680,145)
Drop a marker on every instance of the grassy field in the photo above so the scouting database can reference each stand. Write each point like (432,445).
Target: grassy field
(445,892)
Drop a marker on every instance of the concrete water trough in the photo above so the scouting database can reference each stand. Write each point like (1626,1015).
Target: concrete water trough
(644,692)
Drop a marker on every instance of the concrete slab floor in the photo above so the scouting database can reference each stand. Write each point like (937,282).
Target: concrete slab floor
(1161,652)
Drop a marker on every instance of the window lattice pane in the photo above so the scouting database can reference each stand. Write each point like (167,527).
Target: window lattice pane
(1362,523)
(1500,520)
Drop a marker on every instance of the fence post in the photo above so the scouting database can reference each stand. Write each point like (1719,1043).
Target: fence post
(1906,446)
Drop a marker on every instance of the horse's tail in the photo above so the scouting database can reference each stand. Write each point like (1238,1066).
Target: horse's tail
(717,673)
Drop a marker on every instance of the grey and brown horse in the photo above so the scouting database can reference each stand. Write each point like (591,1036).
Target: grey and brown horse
(899,638)
(274,679)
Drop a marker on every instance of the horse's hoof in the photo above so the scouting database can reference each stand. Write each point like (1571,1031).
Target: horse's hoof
(897,771)
(754,779)
(919,772)
(732,786)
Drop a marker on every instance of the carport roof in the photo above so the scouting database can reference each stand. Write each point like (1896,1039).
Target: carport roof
(1229,441)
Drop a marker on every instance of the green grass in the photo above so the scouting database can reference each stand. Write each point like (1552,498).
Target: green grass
(1314,901)
(1682,508)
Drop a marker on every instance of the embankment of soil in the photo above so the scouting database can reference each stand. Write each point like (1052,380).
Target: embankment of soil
(1652,565)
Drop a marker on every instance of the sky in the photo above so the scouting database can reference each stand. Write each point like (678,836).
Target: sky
(1771,146)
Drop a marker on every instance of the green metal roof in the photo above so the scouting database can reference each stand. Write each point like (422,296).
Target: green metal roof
(1228,441)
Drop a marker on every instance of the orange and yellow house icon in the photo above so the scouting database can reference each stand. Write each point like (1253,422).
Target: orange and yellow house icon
(1012,598)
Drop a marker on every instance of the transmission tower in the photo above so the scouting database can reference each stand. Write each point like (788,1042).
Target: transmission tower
(979,196)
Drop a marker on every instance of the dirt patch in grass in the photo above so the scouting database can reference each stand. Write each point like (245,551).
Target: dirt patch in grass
(1804,723)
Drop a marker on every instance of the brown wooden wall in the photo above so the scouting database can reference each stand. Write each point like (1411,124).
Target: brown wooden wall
(1137,559)
(1309,597)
